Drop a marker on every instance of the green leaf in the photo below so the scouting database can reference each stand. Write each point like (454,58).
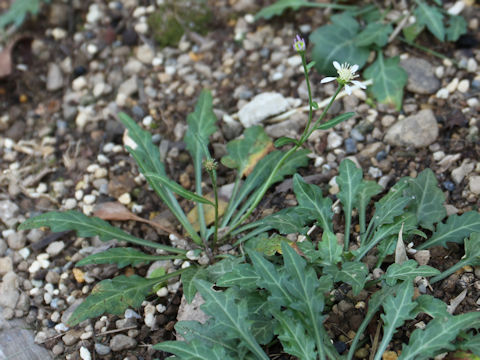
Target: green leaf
(428,199)
(243,275)
(310,199)
(408,271)
(336,120)
(387,211)
(455,229)
(457,26)
(374,33)
(365,192)
(18,11)
(293,336)
(437,336)
(280,6)
(147,156)
(88,227)
(412,31)
(194,350)
(396,310)
(115,295)
(337,42)
(284,140)
(349,180)
(265,244)
(286,221)
(471,343)
(255,143)
(229,313)
(354,274)
(329,249)
(431,17)
(388,78)
(122,257)
(177,188)
(431,306)
(188,277)
(223,267)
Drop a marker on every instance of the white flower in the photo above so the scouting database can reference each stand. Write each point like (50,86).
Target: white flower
(346,74)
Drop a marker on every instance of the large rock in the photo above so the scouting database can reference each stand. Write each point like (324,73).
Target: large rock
(421,76)
(418,130)
(262,107)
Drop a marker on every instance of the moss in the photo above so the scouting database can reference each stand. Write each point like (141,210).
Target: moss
(166,29)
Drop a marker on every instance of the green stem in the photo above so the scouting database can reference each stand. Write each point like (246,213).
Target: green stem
(310,98)
(428,51)
(450,271)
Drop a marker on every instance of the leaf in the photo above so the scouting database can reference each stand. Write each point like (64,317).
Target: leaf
(437,336)
(208,211)
(329,249)
(457,26)
(293,336)
(471,343)
(88,227)
(177,188)
(387,211)
(354,274)
(431,306)
(412,31)
(18,11)
(267,245)
(114,296)
(284,140)
(408,271)
(231,314)
(243,275)
(122,257)
(336,120)
(374,33)
(366,190)
(280,6)
(244,154)
(188,277)
(337,42)
(310,199)
(429,199)
(431,17)
(396,310)
(349,180)
(194,350)
(389,79)
(286,221)
(455,229)
(222,267)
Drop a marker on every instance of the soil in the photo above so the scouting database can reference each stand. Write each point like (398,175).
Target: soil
(47,163)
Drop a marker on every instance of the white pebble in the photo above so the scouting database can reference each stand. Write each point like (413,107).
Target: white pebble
(125,199)
(70,204)
(141,28)
(59,33)
(108,147)
(49,288)
(439,72)
(92,49)
(161,308)
(100,173)
(192,255)
(463,86)
(442,93)
(147,121)
(472,65)
(438,155)
(79,83)
(87,209)
(61,327)
(89,199)
(34,267)
(47,298)
(452,85)
(162,292)
(41,188)
(473,102)
(129,314)
(185,265)
(24,252)
(102,159)
(85,354)
(86,335)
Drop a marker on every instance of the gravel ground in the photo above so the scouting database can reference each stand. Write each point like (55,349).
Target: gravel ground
(61,147)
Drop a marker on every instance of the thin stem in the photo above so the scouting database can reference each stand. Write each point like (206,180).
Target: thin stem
(310,98)
(230,208)
(213,178)
(450,271)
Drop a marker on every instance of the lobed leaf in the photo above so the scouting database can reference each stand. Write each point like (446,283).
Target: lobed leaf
(431,17)
(337,42)
(375,33)
(438,335)
(432,306)
(457,26)
(267,245)
(280,6)
(387,211)
(115,295)
(471,343)
(455,229)
(389,79)
(18,10)
(428,199)
(188,277)
(243,275)
(353,273)
(408,271)
(87,227)
(122,257)
(194,350)
(287,221)
(310,199)
(329,250)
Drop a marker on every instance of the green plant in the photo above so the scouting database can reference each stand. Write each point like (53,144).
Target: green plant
(265,297)
(357,31)
(18,11)
(248,155)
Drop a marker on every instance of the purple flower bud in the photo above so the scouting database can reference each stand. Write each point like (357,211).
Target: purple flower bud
(299,44)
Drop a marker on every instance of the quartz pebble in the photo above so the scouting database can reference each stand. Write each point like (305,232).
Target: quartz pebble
(121,342)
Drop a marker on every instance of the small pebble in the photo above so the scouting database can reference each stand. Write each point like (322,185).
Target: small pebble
(463,86)
(89,199)
(101,349)
(85,354)
(125,199)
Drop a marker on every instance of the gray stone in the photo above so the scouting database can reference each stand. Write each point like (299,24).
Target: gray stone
(474,184)
(129,86)
(55,248)
(3,247)
(35,235)
(290,127)
(459,173)
(417,130)
(101,349)
(9,290)
(421,76)
(262,107)
(71,337)
(8,212)
(145,54)
(121,342)
(54,77)
(334,140)
(16,240)
(6,265)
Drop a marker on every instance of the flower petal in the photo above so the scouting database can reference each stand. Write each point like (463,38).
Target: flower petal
(348,89)
(359,84)
(336,65)
(354,68)
(328,79)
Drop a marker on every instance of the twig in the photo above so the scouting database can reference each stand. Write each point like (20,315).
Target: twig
(399,27)
(116,330)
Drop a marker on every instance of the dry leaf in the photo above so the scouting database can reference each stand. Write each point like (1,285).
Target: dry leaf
(422,257)
(208,210)
(456,301)
(400,252)
(256,157)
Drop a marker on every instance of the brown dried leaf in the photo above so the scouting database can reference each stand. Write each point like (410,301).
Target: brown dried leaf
(113,211)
